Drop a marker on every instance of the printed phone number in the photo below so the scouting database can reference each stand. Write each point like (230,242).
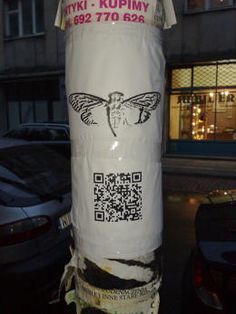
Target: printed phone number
(104,17)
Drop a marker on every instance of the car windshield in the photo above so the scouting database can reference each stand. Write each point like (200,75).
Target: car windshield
(20,133)
(32,174)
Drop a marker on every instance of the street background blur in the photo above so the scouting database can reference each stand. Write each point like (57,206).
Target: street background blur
(185,183)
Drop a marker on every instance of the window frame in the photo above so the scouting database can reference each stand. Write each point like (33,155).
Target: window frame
(19,12)
(208,8)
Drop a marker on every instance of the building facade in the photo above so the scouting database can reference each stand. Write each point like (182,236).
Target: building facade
(200,110)
(201,64)
(31,63)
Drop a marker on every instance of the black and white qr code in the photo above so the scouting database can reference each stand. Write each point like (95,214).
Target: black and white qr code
(117,196)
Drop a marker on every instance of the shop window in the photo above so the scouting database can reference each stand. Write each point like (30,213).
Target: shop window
(225,115)
(227,75)
(33,101)
(23,17)
(13,114)
(206,5)
(181,78)
(41,110)
(204,76)
(27,113)
(205,112)
(59,111)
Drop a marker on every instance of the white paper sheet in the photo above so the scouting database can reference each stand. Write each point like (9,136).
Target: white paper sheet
(115,77)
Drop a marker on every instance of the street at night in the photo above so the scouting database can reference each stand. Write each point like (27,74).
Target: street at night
(179,213)
(117,157)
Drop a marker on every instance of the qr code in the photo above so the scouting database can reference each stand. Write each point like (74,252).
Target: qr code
(118,196)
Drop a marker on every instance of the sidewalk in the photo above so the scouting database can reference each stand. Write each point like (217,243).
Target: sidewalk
(198,175)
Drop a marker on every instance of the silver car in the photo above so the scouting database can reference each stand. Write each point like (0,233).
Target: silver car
(35,201)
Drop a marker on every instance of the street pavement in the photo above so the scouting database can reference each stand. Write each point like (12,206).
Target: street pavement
(185,182)
(198,175)
(178,241)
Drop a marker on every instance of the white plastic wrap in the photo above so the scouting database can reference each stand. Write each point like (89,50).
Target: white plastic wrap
(116,117)
(115,77)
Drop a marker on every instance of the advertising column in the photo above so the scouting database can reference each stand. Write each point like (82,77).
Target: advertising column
(115,77)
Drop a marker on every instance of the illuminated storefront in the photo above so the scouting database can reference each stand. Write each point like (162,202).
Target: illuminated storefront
(202,116)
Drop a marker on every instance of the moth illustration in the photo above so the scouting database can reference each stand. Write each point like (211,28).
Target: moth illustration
(116,108)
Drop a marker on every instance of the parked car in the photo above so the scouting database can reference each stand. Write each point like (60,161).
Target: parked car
(210,277)
(41,131)
(8,142)
(35,202)
(55,135)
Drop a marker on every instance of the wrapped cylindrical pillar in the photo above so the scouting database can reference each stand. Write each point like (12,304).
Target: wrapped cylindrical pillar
(115,90)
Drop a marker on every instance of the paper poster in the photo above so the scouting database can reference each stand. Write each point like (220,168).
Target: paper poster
(120,301)
(115,77)
(115,110)
(115,286)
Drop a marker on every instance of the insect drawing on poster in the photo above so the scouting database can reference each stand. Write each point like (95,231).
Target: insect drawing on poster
(116,108)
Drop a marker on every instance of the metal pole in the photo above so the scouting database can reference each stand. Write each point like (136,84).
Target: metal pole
(115,87)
